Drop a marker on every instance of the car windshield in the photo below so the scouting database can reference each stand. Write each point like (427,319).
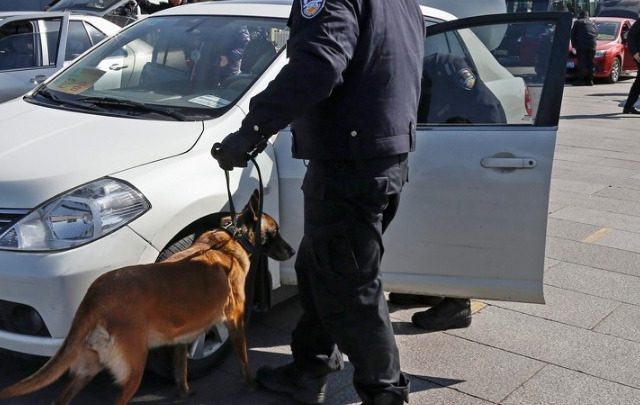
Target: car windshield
(607,31)
(86,5)
(189,67)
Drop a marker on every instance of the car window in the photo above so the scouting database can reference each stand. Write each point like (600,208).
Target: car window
(78,40)
(95,34)
(199,65)
(490,75)
(20,47)
(607,31)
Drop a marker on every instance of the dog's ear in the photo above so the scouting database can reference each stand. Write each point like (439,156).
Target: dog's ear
(253,206)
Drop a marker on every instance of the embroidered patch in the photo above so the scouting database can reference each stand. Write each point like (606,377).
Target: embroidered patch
(311,8)
(466,79)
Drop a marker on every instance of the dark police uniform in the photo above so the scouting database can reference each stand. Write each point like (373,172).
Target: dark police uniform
(350,91)
(583,39)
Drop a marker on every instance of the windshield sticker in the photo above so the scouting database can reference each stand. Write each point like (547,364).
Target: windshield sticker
(79,80)
(311,8)
(210,101)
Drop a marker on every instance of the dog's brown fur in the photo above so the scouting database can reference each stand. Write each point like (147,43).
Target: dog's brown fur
(128,311)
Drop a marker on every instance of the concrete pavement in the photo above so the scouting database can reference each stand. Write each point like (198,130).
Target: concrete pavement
(581,348)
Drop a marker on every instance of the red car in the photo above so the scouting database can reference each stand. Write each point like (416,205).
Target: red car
(612,59)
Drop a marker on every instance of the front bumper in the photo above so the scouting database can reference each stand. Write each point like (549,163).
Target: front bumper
(54,283)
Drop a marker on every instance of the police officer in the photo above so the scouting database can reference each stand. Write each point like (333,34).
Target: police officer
(350,92)
(633,39)
(583,39)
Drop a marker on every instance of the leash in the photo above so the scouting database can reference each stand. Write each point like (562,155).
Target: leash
(255,250)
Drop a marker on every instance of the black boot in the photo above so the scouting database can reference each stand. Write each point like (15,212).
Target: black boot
(450,313)
(288,379)
(386,398)
(413,299)
(630,110)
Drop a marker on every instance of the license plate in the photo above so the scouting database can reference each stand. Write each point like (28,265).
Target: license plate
(571,64)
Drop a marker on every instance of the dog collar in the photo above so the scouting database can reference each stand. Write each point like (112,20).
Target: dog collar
(240,237)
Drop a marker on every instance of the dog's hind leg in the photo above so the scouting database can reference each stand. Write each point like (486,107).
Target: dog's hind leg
(180,370)
(72,388)
(80,375)
(129,367)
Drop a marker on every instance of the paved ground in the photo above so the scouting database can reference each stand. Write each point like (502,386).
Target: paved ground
(581,348)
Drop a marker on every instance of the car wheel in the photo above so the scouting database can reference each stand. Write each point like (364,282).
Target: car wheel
(615,71)
(203,355)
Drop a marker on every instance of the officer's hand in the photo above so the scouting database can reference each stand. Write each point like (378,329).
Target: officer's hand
(234,151)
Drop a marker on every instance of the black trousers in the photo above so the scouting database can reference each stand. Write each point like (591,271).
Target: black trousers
(584,64)
(347,205)
(634,93)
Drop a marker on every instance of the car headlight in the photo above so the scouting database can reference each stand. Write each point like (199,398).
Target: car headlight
(600,54)
(79,216)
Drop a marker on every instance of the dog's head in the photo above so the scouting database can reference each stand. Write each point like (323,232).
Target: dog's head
(272,242)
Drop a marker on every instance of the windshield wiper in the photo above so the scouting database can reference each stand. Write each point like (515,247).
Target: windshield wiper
(135,106)
(46,93)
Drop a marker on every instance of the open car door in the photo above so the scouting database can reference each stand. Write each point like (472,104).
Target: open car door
(472,219)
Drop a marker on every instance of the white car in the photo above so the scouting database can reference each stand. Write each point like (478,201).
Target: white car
(33,45)
(108,164)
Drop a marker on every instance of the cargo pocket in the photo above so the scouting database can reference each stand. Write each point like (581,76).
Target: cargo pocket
(336,272)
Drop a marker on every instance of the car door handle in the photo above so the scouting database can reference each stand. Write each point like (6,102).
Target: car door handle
(38,79)
(508,163)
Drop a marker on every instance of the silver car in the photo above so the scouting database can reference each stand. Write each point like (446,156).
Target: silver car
(33,45)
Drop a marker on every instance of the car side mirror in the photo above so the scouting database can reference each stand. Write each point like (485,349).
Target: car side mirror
(624,37)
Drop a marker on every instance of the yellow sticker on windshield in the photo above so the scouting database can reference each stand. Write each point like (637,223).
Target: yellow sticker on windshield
(79,80)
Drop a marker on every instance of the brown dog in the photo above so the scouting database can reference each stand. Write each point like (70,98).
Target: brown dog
(130,310)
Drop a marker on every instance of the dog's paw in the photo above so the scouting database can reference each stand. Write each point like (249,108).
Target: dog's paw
(186,394)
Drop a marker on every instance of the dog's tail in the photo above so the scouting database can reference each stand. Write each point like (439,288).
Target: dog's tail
(57,365)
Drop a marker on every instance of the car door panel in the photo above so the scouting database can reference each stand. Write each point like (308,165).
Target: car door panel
(17,80)
(472,219)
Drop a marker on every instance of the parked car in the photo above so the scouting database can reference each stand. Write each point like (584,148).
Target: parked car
(112,167)
(33,45)
(612,59)
(120,12)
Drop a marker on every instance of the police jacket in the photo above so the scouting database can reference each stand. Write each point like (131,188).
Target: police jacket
(583,34)
(352,84)
(633,39)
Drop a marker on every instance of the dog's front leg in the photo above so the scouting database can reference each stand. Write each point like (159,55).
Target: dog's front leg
(180,370)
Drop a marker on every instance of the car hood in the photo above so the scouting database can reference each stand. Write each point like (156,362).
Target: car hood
(47,151)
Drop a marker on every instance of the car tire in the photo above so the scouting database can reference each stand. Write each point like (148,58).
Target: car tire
(207,352)
(616,69)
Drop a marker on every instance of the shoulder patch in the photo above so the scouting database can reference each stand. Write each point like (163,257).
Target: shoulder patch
(311,8)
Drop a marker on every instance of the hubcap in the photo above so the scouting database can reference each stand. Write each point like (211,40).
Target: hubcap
(615,71)
(208,343)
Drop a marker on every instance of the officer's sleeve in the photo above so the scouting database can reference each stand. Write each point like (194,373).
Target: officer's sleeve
(319,51)
(633,38)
